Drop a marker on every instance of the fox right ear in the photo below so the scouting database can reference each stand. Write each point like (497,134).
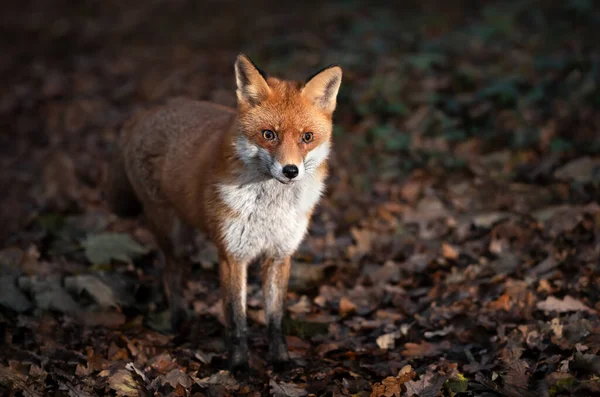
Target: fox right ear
(322,88)
(252,87)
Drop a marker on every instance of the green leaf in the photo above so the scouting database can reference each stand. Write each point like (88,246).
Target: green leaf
(101,248)
(457,385)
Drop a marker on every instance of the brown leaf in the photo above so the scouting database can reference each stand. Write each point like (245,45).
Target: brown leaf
(123,383)
(425,349)
(567,304)
(392,386)
(389,387)
(502,303)
(176,377)
(221,378)
(283,389)
(428,385)
(258,316)
(516,380)
(364,240)
(347,306)
(583,170)
(304,305)
(411,190)
(306,275)
(162,363)
(449,251)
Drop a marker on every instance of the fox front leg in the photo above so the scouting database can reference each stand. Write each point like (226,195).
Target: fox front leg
(275,278)
(233,277)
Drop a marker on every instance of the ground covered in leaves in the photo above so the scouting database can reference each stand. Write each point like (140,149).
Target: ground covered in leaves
(457,249)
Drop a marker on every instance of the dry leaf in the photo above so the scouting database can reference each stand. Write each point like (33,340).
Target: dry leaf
(567,304)
(176,377)
(123,383)
(428,385)
(364,240)
(502,303)
(221,378)
(283,389)
(449,251)
(388,341)
(347,306)
(425,349)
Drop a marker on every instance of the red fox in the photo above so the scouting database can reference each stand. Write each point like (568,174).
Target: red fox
(250,178)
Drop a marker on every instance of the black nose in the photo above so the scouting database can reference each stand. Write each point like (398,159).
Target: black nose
(291,171)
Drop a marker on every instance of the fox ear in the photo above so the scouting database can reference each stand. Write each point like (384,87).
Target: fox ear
(322,88)
(252,87)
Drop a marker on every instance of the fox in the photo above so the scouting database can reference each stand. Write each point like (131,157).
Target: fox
(248,177)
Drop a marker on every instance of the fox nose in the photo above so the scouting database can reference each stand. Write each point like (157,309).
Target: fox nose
(291,171)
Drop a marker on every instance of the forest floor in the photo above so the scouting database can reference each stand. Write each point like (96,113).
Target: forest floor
(456,251)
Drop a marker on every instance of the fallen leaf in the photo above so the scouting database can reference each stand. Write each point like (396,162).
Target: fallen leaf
(516,380)
(49,294)
(176,377)
(425,349)
(221,378)
(347,306)
(364,241)
(163,363)
(502,303)
(392,386)
(303,305)
(257,316)
(488,220)
(388,341)
(583,170)
(12,297)
(449,251)
(589,363)
(102,248)
(567,304)
(457,384)
(123,383)
(428,385)
(304,276)
(442,332)
(96,288)
(389,387)
(283,389)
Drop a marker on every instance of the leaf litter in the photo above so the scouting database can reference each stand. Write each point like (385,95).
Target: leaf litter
(454,253)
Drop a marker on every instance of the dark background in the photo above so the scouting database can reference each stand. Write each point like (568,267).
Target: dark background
(460,222)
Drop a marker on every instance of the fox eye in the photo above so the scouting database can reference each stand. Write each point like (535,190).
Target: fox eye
(307,136)
(268,135)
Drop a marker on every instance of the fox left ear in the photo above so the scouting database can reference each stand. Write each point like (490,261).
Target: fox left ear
(322,88)
(252,87)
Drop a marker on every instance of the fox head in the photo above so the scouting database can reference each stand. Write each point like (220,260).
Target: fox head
(284,127)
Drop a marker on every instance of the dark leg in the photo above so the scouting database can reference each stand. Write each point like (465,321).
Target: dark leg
(173,284)
(233,276)
(275,277)
(171,238)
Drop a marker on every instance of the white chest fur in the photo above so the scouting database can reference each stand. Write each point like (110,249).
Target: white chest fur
(272,218)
